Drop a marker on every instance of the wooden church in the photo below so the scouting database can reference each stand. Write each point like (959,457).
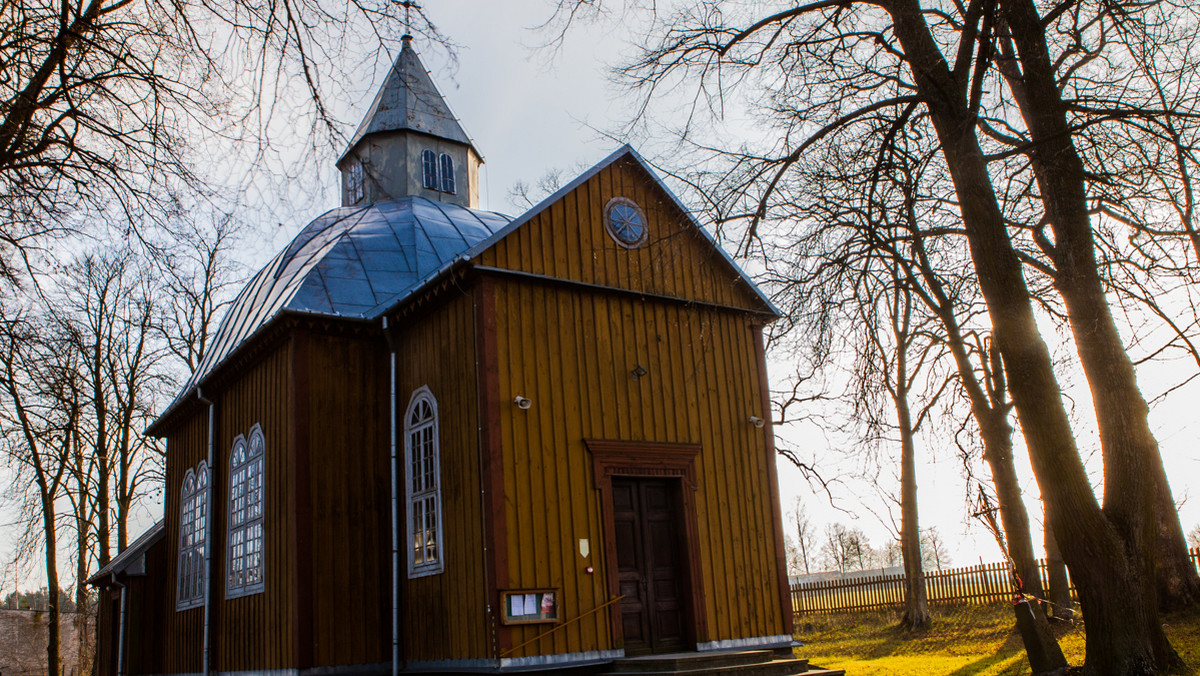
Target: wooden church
(433,438)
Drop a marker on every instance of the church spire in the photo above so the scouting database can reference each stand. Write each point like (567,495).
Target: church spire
(409,121)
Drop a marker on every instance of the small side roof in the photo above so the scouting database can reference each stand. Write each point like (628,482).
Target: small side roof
(132,561)
(408,100)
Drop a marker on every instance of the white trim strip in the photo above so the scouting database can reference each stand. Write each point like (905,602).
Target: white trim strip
(777,641)
(574,659)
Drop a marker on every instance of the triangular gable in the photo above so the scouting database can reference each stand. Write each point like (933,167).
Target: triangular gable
(563,236)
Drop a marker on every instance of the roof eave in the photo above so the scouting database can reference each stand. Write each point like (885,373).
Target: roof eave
(120,563)
(154,429)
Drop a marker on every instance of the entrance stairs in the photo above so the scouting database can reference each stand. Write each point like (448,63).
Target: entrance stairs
(772,662)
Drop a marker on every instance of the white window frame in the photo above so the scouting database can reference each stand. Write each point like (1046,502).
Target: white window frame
(245,564)
(354,183)
(423,489)
(446,173)
(429,169)
(193,537)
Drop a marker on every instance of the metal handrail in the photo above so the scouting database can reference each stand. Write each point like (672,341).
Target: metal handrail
(560,626)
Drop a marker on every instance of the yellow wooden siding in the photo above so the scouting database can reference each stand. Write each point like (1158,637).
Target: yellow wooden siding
(701,387)
(444,615)
(568,240)
(350,549)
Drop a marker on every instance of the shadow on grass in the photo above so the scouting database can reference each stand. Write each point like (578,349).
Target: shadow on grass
(1010,648)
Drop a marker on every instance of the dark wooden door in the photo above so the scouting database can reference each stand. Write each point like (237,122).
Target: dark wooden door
(647,524)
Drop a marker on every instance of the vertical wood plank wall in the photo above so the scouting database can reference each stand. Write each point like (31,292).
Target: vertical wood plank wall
(252,632)
(701,387)
(568,241)
(144,598)
(106,624)
(444,616)
(186,447)
(350,496)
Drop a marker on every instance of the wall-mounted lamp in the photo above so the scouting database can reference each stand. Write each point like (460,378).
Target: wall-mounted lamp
(522,403)
(757,421)
(638,372)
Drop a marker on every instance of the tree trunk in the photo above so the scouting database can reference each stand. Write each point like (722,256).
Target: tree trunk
(1045,655)
(916,603)
(81,558)
(53,634)
(1175,575)
(1041,646)
(1134,486)
(1062,607)
(990,410)
(1106,555)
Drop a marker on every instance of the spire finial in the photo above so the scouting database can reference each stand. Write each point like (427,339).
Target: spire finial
(408,6)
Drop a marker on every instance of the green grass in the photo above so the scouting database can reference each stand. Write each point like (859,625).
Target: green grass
(962,641)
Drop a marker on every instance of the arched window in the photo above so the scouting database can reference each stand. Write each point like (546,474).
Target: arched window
(429,166)
(423,485)
(447,166)
(193,535)
(245,544)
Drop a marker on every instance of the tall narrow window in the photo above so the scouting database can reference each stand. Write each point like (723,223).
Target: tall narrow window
(429,166)
(193,536)
(421,458)
(447,166)
(354,183)
(245,544)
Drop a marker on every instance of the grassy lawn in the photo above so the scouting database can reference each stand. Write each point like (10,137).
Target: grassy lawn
(962,640)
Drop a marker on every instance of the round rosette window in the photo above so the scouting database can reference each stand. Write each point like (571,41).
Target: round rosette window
(625,222)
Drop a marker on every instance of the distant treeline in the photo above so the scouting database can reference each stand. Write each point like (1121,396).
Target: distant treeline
(39,600)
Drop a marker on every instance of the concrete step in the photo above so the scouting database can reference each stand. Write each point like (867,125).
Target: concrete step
(691,661)
(773,667)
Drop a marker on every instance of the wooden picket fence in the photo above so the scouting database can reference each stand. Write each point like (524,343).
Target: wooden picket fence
(981,584)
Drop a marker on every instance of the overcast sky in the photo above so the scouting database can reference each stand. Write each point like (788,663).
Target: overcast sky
(531,110)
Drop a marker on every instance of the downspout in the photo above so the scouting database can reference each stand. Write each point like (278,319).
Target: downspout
(395,504)
(208,541)
(121,630)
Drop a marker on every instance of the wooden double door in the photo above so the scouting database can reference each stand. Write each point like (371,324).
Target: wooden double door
(648,525)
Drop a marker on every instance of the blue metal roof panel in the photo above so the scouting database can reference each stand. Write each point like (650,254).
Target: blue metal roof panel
(350,262)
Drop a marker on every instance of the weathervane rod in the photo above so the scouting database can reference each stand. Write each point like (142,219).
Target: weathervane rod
(408,6)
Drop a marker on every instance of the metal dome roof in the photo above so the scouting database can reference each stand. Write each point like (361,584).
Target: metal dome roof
(359,262)
(353,262)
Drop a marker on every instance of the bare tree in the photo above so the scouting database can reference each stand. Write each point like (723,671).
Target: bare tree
(1010,95)
(36,377)
(106,305)
(99,98)
(803,532)
(200,274)
(845,548)
(893,360)
(934,548)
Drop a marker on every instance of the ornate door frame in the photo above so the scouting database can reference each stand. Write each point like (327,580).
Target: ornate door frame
(652,460)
